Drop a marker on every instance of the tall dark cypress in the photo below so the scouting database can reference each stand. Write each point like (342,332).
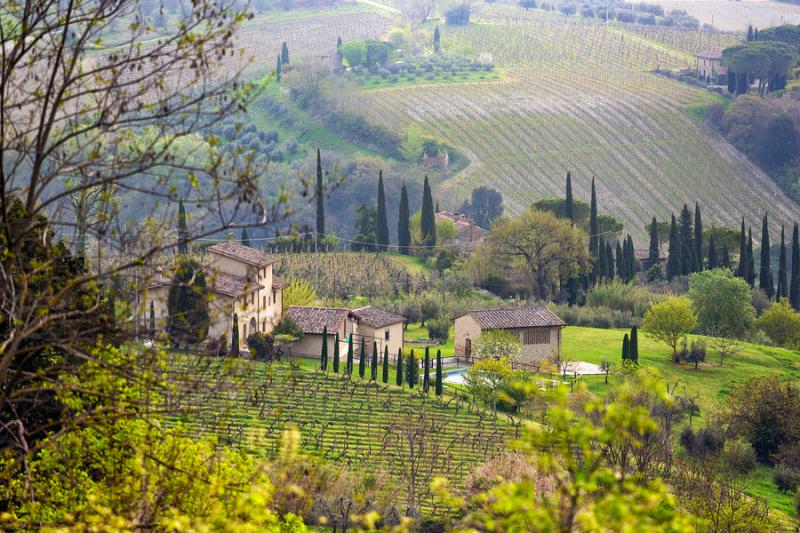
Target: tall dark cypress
(751,269)
(245,237)
(284,53)
(626,349)
(426,375)
(741,268)
(653,253)
(794,284)
(278,69)
(713,262)
(630,259)
(385,374)
(674,261)
(765,271)
(320,198)
(336,353)
(348,368)
(594,228)
(610,261)
(568,202)
(152,329)
(725,261)
(398,378)
(183,230)
(428,217)
(382,231)
(782,291)
(403,230)
(698,238)
(323,360)
(688,261)
(439,373)
(374,365)
(633,348)
(362,360)
(436,39)
(235,336)
(412,371)
(620,262)
(602,262)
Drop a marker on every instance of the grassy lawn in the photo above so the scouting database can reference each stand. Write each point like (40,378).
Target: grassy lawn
(414,265)
(416,331)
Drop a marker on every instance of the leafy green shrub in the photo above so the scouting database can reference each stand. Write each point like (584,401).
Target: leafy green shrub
(624,297)
(439,329)
(787,479)
(287,326)
(738,456)
(595,317)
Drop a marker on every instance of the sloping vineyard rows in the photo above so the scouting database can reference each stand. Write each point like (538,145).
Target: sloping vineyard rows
(542,43)
(627,129)
(682,39)
(343,275)
(247,404)
(307,37)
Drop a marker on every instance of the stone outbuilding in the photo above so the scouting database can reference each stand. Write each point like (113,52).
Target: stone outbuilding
(539,331)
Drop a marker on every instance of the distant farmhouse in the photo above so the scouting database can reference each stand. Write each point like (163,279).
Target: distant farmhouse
(468,233)
(642,255)
(371,324)
(539,331)
(241,281)
(709,66)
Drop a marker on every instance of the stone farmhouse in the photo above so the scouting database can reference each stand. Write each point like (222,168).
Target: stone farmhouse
(241,283)
(468,234)
(371,324)
(539,331)
(709,66)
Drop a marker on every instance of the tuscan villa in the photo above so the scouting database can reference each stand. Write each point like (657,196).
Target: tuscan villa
(468,234)
(539,331)
(709,65)
(371,324)
(241,283)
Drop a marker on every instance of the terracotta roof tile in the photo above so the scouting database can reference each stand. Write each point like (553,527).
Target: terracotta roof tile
(243,253)
(376,317)
(218,282)
(313,319)
(523,317)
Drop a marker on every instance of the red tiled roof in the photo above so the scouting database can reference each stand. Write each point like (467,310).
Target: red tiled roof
(376,317)
(312,320)
(711,54)
(218,282)
(278,283)
(243,253)
(523,317)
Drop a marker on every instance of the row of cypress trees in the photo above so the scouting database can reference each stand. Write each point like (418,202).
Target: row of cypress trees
(630,346)
(408,372)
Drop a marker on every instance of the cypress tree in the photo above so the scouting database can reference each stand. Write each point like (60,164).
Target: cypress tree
(183,231)
(399,370)
(278,69)
(713,262)
(320,198)
(783,285)
(755,34)
(336,353)
(439,377)
(698,238)
(653,252)
(382,231)
(751,269)
(794,284)
(620,261)
(594,228)
(741,268)
(374,365)
(362,360)
(323,360)
(749,33)
(765,272)
(688,260)
(436,38)
(633,347)
(412,371)
(626,355)
(602,262)
(152,330)
(245,237)
(428,217)
(630,259)
(674,261)
(403,230)
(610,261)
(426,375)
(348,369)
(235,336)
(284,53)
(338,43)
(385,375)
(568,203)
(725,262)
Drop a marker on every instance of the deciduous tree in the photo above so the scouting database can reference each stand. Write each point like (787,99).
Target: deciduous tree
(669,321)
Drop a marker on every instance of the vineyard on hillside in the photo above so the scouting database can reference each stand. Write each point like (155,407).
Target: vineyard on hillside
(626,128)
(248,404)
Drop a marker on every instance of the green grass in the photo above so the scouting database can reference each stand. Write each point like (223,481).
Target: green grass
(414,265)
(416,331)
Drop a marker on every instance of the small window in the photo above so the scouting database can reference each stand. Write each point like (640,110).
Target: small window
(386,334)
(536,336)
(274,296)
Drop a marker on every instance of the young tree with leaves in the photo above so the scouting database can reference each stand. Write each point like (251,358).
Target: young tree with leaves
(669,321)
(765,281)
(428,219)
(439,373)
(403,223)
(382,229)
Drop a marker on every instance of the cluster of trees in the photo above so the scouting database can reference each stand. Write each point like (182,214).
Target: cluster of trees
(687,249)
(767,56)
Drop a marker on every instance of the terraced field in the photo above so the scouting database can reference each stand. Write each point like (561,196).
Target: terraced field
(248,404)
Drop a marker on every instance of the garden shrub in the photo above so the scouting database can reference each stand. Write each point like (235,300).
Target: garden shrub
(787,479)
(439,329)
(738,456)
(624,297)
